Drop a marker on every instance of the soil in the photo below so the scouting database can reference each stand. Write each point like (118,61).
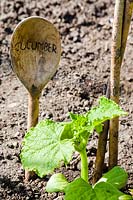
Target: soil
(85,28)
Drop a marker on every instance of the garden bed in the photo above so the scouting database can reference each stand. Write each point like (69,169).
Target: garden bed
(85,28)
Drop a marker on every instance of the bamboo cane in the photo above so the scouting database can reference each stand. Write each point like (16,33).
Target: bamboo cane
(101,150)
(126,24)
(122,18)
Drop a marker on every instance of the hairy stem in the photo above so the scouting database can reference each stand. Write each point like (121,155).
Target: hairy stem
(84,165)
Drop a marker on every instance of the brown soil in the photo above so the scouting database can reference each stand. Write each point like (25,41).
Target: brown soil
(85,28)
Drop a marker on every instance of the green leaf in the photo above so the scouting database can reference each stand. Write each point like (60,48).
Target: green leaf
(131,191)
(43,150)
(56,183)
(116,176)
(81,190)
(125,197)
(106,110)
(99,128)
(106,191)
(77,131)
(82,126)
(67,132)
(73,116)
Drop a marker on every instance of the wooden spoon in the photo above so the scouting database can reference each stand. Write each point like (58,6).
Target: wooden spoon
(35,54)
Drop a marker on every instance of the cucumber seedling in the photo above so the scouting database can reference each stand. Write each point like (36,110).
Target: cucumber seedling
(50,143)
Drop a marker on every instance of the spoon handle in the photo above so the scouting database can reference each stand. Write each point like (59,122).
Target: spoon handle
(33,112)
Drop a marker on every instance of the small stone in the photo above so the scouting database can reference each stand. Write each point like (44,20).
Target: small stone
(79,165)
(59,198)
(40,185)
(15,144)
(8,30)
(12,105)
(21,186)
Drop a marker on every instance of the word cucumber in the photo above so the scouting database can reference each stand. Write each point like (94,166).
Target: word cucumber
(33,45)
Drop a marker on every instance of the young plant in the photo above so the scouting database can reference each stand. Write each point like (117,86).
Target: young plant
(50,143)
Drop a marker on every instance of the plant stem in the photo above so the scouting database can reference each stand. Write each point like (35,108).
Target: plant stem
(84,165)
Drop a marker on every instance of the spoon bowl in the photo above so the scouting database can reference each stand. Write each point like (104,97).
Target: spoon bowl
(35,52)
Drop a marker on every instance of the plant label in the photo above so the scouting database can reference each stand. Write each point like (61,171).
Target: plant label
(35,52)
